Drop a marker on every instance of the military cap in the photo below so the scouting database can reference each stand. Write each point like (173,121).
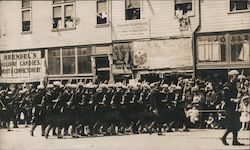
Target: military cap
(164,86)
(241,77)
(233,72)
(57,83)
(74,86)
(40,87)
(50,86)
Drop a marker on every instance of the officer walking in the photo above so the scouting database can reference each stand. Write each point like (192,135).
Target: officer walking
(232,115)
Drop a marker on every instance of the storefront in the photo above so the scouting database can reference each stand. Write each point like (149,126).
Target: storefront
(222,51)
(86,63)
(22,66)
(155,59)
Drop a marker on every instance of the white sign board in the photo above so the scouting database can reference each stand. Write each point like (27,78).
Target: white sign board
(22,64)
(157,54)
(131,29)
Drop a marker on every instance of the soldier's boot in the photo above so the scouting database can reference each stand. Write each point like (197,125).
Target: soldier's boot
(185,129)
(43,130)
(47,130)
(32,129)
(59,134)
(235,139)
(54,131)
(8,126)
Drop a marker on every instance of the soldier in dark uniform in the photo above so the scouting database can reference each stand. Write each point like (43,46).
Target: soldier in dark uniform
(232,115)
(156,107)
(7,110)
(63,108)
(38,116)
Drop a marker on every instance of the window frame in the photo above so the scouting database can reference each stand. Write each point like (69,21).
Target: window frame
(107,7)
(23,9)
(63,5)
(125,9)
(76,71)
(236,11)
(88,54)
(228,53)
(191,14)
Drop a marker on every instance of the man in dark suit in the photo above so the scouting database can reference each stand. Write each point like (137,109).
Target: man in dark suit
(232,115)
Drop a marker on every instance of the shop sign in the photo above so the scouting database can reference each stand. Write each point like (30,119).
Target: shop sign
(122,58)
(22,64)
(133,29)
(159,54)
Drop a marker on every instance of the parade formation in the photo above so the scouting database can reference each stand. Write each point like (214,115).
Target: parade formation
(87,109)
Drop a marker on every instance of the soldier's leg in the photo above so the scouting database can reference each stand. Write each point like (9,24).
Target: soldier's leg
(223,139)
(32,129)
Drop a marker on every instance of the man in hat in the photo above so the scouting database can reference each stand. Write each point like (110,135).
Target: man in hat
(232,116)
(38,117)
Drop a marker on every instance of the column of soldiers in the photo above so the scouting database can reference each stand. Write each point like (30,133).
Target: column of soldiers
(108,109)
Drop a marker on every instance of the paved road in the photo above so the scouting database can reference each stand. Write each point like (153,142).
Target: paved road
(196,139)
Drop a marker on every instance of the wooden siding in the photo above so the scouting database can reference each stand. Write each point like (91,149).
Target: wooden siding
(215,17)
(42,36)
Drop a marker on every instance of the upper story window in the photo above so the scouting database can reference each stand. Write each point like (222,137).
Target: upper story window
(63,14)
(102,12)
(132,9)
(183,7)
(26,3)
(238,5)
(26,15)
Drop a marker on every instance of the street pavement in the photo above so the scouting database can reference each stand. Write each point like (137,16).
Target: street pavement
(196,139)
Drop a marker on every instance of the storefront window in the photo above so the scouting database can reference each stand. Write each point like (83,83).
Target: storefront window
(54,61)
(212,48)
(240,47)
(68,55)
(84,60)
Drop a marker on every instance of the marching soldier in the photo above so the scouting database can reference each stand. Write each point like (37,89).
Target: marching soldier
(38,114)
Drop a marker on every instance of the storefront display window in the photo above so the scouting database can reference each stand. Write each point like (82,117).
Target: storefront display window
(84,60)
(54,61)
(68,59)
(212,48)
(240,47)
(230,48)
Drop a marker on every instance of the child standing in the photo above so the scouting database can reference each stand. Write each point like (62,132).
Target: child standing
(245,112)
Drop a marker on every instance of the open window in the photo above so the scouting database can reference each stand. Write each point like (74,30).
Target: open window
(102,12)
(184,7)
(26,20)
(132,9)
(63,14)
(239,5)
